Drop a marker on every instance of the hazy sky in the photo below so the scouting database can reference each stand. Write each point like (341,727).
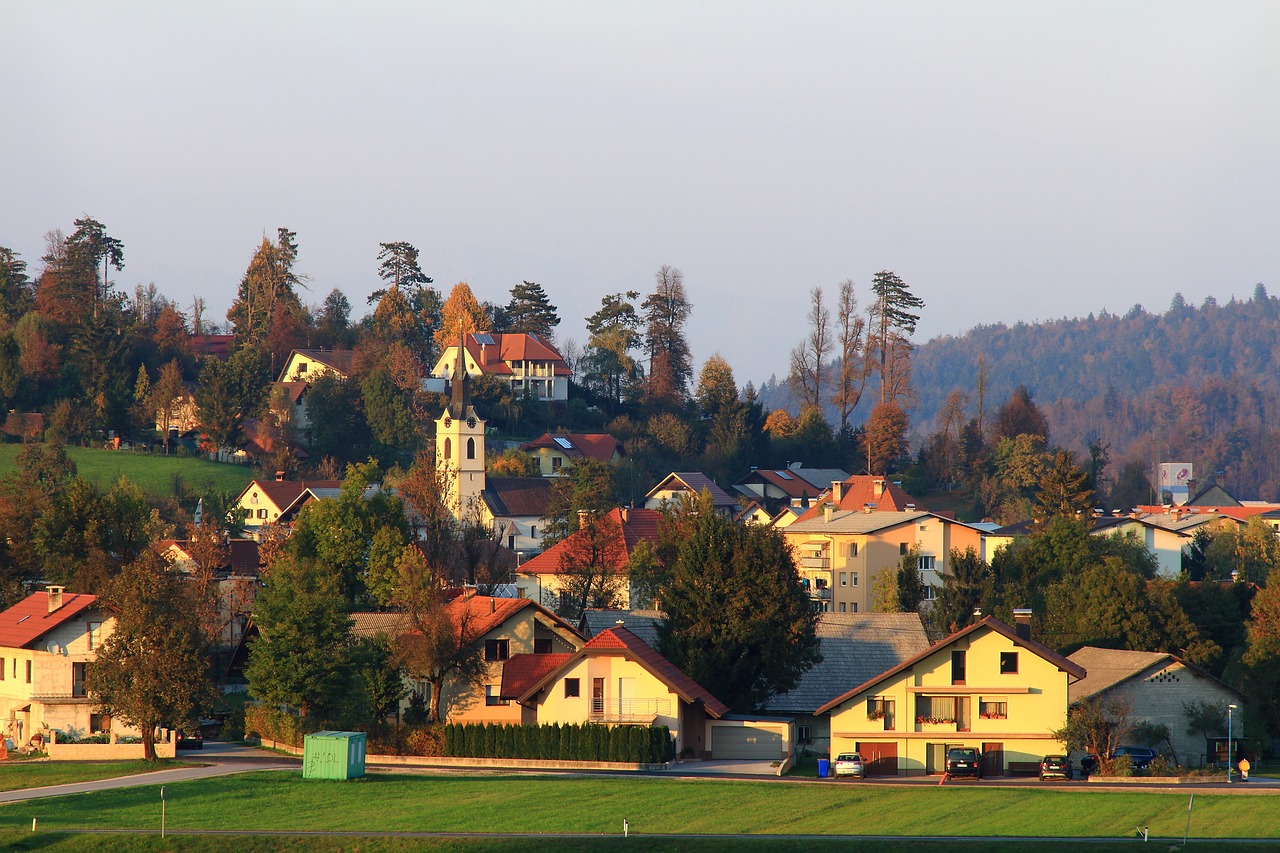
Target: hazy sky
(1011,161)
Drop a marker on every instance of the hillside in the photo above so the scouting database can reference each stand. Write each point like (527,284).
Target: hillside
(157,476)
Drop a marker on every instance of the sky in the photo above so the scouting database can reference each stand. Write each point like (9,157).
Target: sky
(1011,161)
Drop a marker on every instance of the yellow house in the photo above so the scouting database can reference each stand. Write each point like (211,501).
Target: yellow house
(46,643)
(307,365)
(501,629)
(839,552)
(615,679)
(987,686)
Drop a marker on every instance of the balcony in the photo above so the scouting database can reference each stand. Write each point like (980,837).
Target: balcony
(629,710)
(823,594)
(77,697)
(815,563)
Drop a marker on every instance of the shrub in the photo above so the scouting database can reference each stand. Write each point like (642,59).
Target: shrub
(551,742)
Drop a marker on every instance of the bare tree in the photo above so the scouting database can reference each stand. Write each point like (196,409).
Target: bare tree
(851,340)
(808,360)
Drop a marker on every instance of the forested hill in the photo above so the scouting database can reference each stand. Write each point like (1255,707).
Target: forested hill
(1199,384)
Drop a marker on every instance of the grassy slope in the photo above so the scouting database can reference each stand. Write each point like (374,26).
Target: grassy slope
(37,774)
(156,475)
(403,802)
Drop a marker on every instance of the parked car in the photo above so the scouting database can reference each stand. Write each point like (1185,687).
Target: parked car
(1140,757)
(1089,764)
(964,761)
(850,764)
(1056,767)
(189,739)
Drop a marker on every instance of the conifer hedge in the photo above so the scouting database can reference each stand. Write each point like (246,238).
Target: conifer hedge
(554,742)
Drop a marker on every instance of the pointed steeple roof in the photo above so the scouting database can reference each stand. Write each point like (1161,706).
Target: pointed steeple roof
(458,385)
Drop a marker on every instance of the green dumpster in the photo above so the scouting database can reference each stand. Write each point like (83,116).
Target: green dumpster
(333,755)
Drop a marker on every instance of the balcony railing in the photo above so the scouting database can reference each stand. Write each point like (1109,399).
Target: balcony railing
(629,710)
(819,594)
(815,563)
(76,697)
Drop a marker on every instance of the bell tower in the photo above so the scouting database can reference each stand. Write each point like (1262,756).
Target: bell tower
(460,440)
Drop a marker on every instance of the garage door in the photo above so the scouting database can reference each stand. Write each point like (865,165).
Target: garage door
(746,742)
(881,759)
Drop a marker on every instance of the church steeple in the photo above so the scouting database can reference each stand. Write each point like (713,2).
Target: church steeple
(460,441)
(459,382)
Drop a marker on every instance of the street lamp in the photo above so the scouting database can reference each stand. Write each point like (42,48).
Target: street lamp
(1230,710)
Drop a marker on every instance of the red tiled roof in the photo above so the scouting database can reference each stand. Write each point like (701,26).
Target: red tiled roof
(293,390)
(242,554)
(522,672)
(593,445)
(1065,664)
(860,490)
(513,347)
(218,346)
(483,613)
(30,619)
(622,640)
(792,486)
(640,524)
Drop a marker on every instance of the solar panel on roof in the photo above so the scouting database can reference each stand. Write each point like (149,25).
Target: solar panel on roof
(484,338)
(563,442)
(783,474)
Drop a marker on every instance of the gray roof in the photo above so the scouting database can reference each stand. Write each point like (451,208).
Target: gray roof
(820,477)
(856,647)
(642,623)
(853,521)
(695,481)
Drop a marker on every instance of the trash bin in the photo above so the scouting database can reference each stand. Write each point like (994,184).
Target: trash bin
(824,767)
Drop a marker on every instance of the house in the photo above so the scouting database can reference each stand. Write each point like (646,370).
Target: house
(212,346)
(790,484)
(556,452)
(864,492)
(46,643)
(839,552)
(1164,543)
(855,647)
(278,501)
(524,362)
(544,577)
(233,566)
(690,484)
(500,629)
(987,686)
(513,508)
(616,678)
(1157,686)
(753,513)
(307,365)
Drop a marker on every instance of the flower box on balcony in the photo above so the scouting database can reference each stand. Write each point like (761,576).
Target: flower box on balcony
(936,721)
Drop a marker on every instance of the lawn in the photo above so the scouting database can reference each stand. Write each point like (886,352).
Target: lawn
(156,475)
(389,802)
(15,775)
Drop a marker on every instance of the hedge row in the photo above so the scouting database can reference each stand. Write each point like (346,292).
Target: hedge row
(383,738)
(552,742)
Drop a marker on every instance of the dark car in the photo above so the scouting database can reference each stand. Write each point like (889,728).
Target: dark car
(189,739)
(1056,767)
(964,761)
(1089,764)
(1140,757)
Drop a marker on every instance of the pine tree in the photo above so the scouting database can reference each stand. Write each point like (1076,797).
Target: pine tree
(666,311)
(531,312)
(893,323)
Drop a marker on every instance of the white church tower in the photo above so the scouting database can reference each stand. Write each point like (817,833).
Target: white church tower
(460,442)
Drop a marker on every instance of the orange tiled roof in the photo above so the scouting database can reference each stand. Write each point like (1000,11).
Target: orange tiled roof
(30,619)
(513,347)
(592,445)
(860,490)
(522,672)
(639,524)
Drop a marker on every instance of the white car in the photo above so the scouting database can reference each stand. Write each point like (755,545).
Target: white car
(850,764)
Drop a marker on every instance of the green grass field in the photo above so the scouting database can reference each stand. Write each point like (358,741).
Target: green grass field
(388,802)
(15,775)
(158,476)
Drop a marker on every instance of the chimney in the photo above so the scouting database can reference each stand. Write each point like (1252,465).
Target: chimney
(1022,622)
(877,486)
(626,511)
(279,476)
(826,514)
(837,490)
(55,597)
(493,604)
(584,515)
(619,623)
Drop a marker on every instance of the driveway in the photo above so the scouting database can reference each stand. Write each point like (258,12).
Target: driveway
(724,767)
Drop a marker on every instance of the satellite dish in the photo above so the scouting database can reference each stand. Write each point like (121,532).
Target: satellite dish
(55,649)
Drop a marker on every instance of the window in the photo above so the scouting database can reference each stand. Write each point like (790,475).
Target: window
(99,722)
(471,448)
(930,592)
(853,549)
(844,579)
(533,531)
(95,635)
(804,734)
(854,607)
(572,688)
(1008,663)
(495,650)
(77,679)
(302,367)
(28,672)
(492,695)
(1,669)
(542,645)
(957,667)
(262,513)
(993,709)
(853,577)
(448,445)
(822,583)
(556,462)
(925,563)
(842,607)
(902,547)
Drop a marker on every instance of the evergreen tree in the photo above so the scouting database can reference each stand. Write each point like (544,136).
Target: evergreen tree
(267,291)
(665,312)
(608,367)
(460,314)
(531,312)
(1064,490)
(893,324)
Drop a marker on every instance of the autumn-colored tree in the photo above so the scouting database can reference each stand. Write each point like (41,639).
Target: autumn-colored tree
(886,437)
(1021,416)
(717,389)
(268,284)
(1063,491)
(591,568)
(151,670)
(461,314)
(666,310)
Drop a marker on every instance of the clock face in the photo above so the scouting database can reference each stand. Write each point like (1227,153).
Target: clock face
(471,422)
(448,422)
